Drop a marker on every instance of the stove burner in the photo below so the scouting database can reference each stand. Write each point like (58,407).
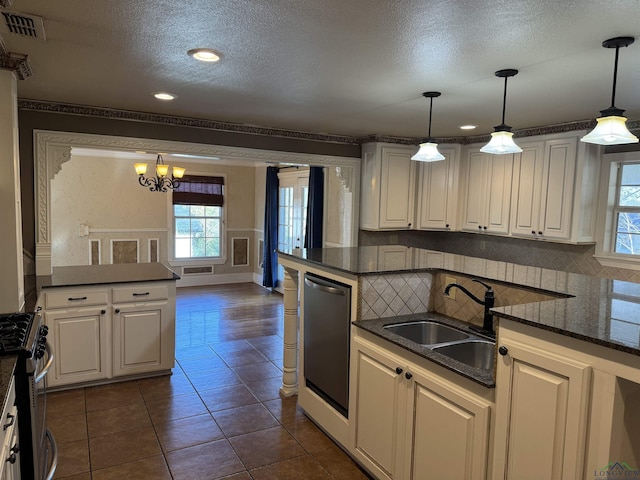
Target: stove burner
(14,329)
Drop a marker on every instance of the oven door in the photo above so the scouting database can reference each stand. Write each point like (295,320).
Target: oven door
(44,445)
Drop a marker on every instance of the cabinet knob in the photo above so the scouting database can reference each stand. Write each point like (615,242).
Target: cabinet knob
(117,310)
(540,233)
(479,227)
(447,225)
(409,224)
(103,311)
(11,419)
(484,228)
(398,370)
(533,232)
(502,350)
(408,376)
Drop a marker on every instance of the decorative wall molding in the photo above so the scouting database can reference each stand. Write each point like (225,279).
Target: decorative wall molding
(52,149)
(101,112)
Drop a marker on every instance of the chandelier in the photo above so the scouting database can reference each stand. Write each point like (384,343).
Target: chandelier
(161,182)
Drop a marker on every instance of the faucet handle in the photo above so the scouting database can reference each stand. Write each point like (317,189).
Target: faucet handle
(488,287)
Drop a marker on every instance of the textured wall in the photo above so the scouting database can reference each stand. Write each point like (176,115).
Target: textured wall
(555,256)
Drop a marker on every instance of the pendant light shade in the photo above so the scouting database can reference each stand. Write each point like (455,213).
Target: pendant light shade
(428,151)
(502,138)
(611,128)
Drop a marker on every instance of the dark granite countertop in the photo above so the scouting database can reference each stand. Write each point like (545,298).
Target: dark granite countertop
(85,275)
(376,326)
(592,309)
(7,366)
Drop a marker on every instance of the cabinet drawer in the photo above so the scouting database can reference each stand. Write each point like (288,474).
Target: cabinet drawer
(140,293)
(78,298)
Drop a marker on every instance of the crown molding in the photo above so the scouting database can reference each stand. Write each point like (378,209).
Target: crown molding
(129,115)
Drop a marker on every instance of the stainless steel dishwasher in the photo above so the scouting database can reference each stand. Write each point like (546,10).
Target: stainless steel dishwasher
(327,313)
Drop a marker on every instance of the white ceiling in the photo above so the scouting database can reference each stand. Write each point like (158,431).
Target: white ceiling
(349,67)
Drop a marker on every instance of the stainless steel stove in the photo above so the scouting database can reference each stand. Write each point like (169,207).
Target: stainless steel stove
(24,335)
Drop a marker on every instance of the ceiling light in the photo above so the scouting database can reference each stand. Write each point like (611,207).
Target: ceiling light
(502,139)
(205,54)
(467,127)
(161,182)
(428,151)
(611,128)
(164,96)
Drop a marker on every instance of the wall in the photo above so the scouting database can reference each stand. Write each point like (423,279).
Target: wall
(555,256)
(260,181)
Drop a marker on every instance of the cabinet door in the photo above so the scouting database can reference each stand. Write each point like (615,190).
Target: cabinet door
(397,188)
(541,400)
(448,432)
(379,413)
(527,186)
(437,193)
(80,345)
(558,186)
(143,340)
(475,190)
(498,193)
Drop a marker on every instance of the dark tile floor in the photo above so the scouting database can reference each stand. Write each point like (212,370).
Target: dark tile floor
(219,415)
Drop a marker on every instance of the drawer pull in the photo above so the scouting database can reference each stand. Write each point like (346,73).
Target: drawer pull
(75,299)
(12,420)
(141,294)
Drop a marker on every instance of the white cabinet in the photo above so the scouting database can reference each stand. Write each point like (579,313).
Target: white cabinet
(438,191)
(388,187)
(98,333)
(9,441)
(487,192)
(542,398)
(554,190)
(80,340)
(143,333)
(409,421)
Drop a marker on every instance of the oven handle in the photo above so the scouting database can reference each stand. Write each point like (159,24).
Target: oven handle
(47,366)
(54,456)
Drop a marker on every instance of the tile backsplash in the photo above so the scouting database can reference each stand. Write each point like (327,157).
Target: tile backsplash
(391,295)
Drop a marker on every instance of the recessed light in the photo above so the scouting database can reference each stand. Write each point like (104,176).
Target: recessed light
(467,127)
(164,96)
(205,54)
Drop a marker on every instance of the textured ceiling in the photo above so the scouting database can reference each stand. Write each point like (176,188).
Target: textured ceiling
(349,67)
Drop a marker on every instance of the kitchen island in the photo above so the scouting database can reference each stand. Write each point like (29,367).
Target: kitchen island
(566,377)
(109,322)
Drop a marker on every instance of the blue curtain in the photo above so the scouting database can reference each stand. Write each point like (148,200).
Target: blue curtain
(270,266)
(315,205)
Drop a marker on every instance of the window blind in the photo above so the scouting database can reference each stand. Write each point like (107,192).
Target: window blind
(199,190)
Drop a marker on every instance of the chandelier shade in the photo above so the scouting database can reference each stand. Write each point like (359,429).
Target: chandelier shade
(501,142)
(161,182)
(428,151)
(611,127)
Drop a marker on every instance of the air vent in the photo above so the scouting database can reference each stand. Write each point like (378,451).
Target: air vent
(24,25)
(197,270)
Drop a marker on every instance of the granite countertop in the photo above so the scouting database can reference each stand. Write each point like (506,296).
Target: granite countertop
(376,326)
(7,366)
(588,308)
(85,275)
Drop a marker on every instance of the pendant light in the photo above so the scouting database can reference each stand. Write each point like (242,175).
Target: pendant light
(611,128)
(502,139)
(428,151)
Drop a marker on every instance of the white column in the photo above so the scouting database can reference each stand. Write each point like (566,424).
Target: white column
(290,361)
(12,278)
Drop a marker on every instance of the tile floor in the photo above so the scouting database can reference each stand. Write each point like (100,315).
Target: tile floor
(218,416)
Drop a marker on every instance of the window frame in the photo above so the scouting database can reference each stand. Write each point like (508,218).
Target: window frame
(610,181)
(175,261)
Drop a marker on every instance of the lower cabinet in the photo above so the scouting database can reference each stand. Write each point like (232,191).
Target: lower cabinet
(98,333)
(142,338)
(10,443)
(410,423)
(80,344)
(542,400)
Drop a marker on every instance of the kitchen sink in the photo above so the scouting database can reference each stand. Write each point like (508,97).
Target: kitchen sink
(475,353)
(427,332)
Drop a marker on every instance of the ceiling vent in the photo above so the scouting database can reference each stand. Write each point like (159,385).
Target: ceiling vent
(24,25)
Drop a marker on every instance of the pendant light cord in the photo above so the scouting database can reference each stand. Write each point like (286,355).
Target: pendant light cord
(615,79)
(430,113)
(504,99)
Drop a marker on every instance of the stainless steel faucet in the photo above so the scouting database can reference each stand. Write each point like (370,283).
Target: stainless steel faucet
(489,300)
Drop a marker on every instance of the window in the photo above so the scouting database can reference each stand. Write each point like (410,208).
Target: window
(198,217)
(618,243)
(625,324)
(627,209)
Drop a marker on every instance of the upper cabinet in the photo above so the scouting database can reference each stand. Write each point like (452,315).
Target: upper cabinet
(438,191)
(388,187)
(554,190)
(486,189)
